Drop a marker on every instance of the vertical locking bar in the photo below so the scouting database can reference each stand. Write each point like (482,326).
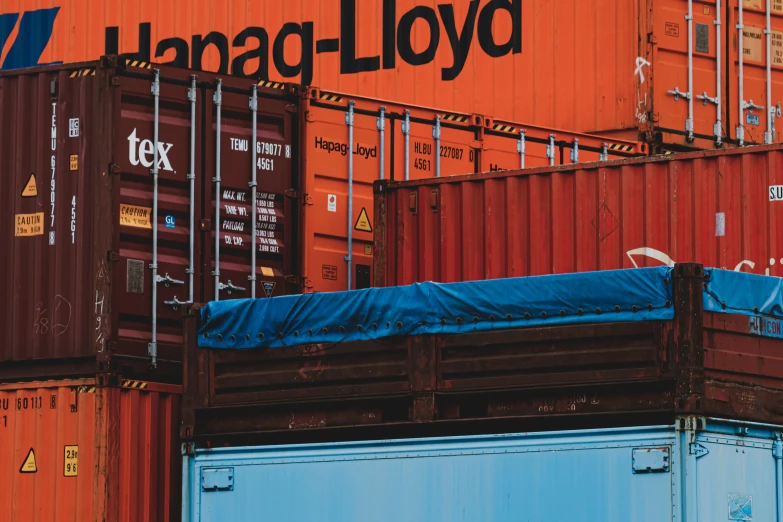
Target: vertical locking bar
(604,152)
(381,124)
(152,349)
(217,98)
(436,135)
(521,148)
(777,454)
(718,130)
(192,179)
(550,150)
(406,130)
(769,135)
(349,257)
(253,184)
(740,124)
(689,121)
(575,151)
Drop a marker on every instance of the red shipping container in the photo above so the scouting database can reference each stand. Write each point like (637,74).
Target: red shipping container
(718,208)
(78,451)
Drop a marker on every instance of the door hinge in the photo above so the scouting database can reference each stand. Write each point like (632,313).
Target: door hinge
(292,108)
(112,256)
(291,193)
(698,450)
(292,279)
(114,168)
(307,199)
(650,460)
(217,479)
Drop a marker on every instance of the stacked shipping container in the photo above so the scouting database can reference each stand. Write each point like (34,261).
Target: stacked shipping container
(683,73)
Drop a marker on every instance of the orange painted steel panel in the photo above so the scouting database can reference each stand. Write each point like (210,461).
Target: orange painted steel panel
(100,453)
(716,208)
(596,66)
(468,143)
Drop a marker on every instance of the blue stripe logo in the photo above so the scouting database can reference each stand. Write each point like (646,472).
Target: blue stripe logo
(35,31)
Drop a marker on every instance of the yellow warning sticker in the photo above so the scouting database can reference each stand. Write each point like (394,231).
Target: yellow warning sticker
(74,162)
(363,223)
(29,466)
(268,272)
(133,216)
(29,224)
(71,461)
(30,190)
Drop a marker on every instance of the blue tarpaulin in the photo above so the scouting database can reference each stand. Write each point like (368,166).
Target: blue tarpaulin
(430,308)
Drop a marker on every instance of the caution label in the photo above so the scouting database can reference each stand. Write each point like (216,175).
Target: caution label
(29,465)
(70,468)
(363,222)
(29,224)
(133,216)
(73,163)
(269,287)
(30,190)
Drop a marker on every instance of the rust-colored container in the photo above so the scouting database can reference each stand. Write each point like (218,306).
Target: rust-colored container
(78,202)
(75,450)
(398,142)
(667,68)
(517,379)
(719,208)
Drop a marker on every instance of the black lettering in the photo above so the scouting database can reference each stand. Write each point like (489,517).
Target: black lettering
(349,63)
(389,34)
(199,44)
(331,45)
(405,28)
(460,44)
(261,52)
(305,65)
(180,46)
(487,39)
(112,46)
(3,404)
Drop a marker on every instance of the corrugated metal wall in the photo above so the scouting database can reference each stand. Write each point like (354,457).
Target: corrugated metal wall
(99,454)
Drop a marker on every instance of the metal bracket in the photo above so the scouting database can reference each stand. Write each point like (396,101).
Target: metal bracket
(704,99)
(176,303)
(698,450)
(679,94)
(749,105)
(217,479)
(550,149)
(230,287)
(168,281)
(575,151)
(604,152)
(650,460)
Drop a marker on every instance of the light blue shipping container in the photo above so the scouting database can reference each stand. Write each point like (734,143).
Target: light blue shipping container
(700,470)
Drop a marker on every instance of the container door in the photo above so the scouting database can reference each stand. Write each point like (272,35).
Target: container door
(735,478)
(689,119)
(436,143)
(232,159)
(755,95)
(553,479)
(135,200)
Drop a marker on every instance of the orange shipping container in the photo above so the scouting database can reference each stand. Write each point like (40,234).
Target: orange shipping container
(75,451)
(668,68)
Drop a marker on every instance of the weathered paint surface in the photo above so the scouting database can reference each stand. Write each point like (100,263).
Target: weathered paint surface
(99,454)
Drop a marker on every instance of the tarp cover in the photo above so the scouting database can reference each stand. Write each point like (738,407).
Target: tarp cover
(430,308)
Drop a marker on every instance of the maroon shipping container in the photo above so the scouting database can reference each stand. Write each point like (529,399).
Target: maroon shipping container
(76,155)
(518,379)
(719,208)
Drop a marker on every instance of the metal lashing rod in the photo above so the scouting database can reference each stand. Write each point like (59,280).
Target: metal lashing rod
(718,131)
(349,257)
(152,348)
(604,152)
(575,151)
(777,454)
(381,124)
(740,124)
(175,303)
(550,150)
(769,135)
(521,148)
(218,100)
(689,121)
(406,130)
(436,135)
(253,184)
